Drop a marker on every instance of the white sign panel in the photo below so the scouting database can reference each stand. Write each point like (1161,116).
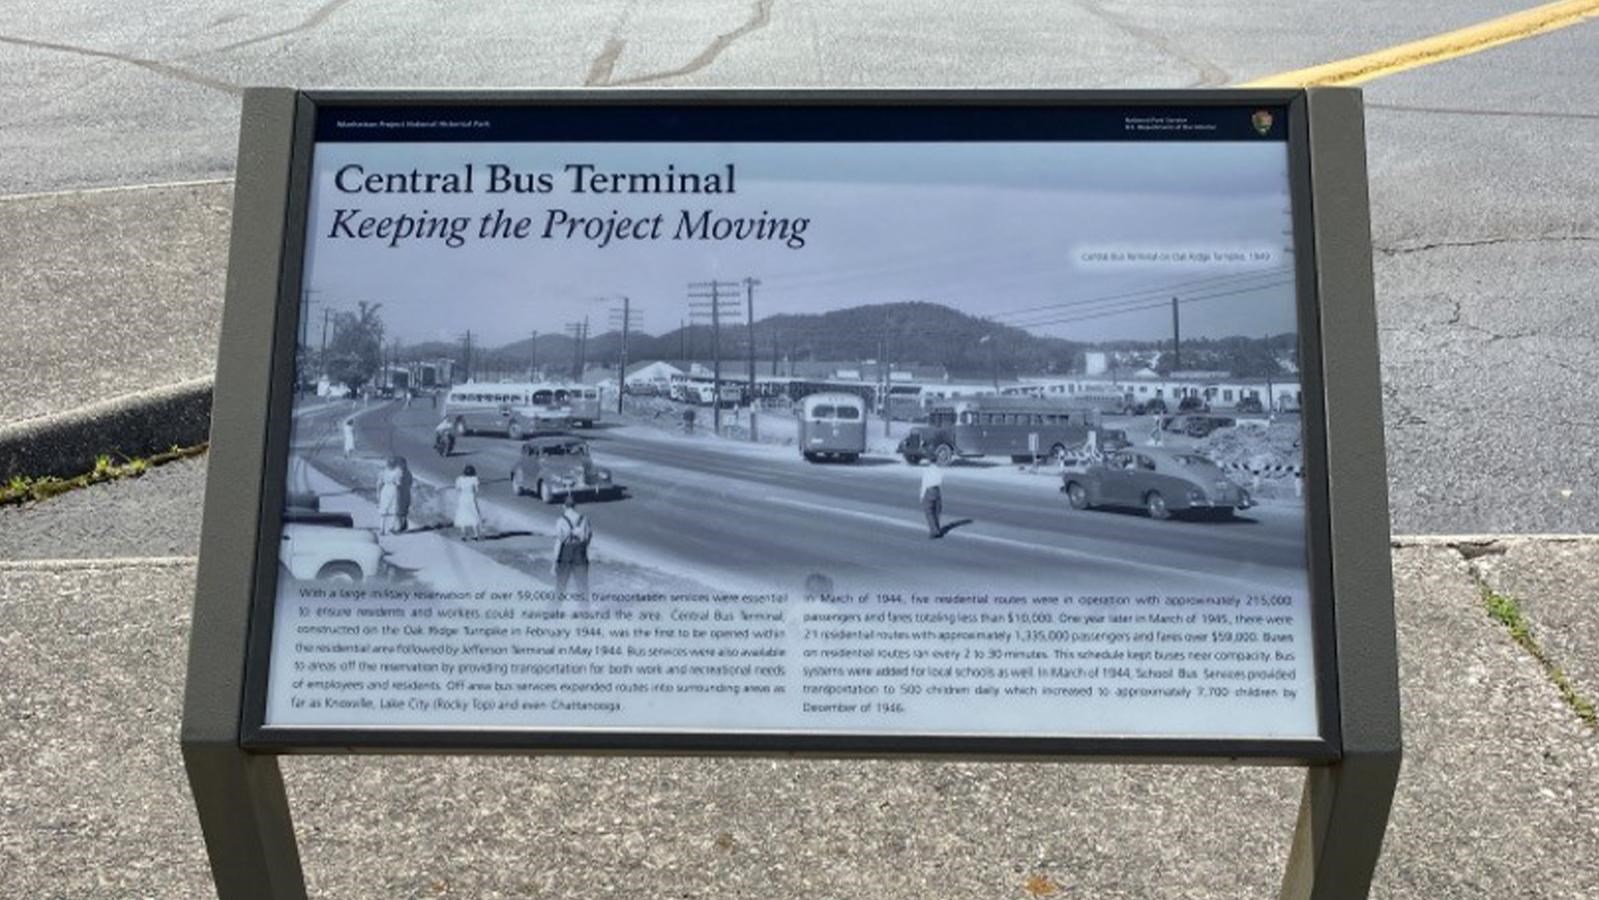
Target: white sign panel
(870,484)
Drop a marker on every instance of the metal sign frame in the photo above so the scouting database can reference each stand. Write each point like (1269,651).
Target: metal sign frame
(1351,771)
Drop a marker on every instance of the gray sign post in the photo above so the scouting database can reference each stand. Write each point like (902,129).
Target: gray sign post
(239,793)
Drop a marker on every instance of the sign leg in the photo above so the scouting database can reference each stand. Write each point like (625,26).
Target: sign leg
(1343,814)
(244,813)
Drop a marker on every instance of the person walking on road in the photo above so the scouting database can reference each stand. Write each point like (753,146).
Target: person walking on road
(403,506)
(349,437)
(932,496)
(389,497)
(572,536)
(468,517)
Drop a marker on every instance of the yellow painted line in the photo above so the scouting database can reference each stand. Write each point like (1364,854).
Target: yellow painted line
(1425,52)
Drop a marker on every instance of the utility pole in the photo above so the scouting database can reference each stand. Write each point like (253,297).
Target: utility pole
(749,299)
(466,361)
(682,342)
(888,379)
(305,316)
(621,371)
(712,299)
(574,330)
(1270,406)
(322,357)
(533,358)
(882,381)
(774,353)
(1176,339)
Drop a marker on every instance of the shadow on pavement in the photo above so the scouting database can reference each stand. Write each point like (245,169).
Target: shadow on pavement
(958,523)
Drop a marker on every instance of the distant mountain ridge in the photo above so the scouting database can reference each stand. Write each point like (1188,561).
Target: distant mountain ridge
(908,333)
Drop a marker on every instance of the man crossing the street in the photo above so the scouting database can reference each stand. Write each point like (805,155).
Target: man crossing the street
(932,495)
(572,536)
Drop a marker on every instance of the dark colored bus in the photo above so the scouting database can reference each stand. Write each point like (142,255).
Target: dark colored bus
(1022,428)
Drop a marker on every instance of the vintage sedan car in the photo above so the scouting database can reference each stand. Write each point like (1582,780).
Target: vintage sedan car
(325,546)
(1197,425)
(1160,481)
(1154,406)
(553,466)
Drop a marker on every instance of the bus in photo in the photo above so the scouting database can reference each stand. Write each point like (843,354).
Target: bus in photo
(512,409)
(831,426)
(907,402)
(582,403)
(1021,428)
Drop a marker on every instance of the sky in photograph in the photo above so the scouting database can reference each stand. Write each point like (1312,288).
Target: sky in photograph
(1061,238)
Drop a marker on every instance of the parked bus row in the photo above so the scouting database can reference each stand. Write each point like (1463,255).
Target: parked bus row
(833,426)
(1104,470)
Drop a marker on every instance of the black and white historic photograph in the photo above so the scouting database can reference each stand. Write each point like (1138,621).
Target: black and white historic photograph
(773,367)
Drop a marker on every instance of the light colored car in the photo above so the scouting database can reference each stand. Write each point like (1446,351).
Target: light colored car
(557,465)
(324,547)
(1161,482)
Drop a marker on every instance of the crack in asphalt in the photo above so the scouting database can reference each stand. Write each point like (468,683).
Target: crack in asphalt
(1484,242)
(1456,319)
(150,65)
(605,63)
(1458,111)
(317,17)
(1210,74)
(1406,415)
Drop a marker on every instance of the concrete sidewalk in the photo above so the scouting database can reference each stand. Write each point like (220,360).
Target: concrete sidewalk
(109,293)
(1497,797)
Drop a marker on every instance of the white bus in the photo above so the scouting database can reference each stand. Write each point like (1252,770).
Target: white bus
(512,409)
(582,403)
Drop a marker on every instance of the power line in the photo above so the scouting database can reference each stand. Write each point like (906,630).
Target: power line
(714,299)
(1143,305)
(1176,287)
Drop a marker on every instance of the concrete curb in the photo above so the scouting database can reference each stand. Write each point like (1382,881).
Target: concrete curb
(126,427)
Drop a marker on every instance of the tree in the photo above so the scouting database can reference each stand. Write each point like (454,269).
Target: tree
(356,347)
(1252,360)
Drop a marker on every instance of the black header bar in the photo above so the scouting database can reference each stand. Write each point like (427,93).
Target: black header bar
(662,123)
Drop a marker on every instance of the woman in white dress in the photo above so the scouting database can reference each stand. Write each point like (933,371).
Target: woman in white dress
(389,497)
(468,518)
(349,436)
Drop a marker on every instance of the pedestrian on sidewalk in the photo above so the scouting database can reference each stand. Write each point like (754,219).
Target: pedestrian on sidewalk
(349,437)
(468,517)
(572,536)
(389,497)
(932,496)
(403,508)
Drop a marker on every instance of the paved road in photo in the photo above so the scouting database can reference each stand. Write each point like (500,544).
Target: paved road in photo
(705,505)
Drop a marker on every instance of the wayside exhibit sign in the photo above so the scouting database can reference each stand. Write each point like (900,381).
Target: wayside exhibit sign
(993,424)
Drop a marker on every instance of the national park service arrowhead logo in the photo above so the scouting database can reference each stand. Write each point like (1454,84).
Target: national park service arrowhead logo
(1262,121)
